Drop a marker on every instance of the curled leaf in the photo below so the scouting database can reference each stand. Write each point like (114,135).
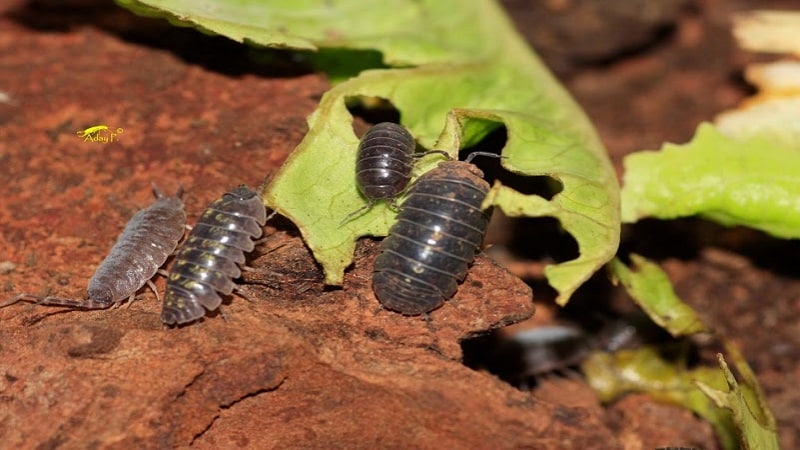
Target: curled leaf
(751,182)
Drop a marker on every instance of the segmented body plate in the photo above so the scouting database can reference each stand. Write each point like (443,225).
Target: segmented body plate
(384,161)
(208,261)
(144,245)
(438,231)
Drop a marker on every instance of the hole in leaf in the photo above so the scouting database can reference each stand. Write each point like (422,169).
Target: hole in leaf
(530,238)
(368,111)
(542,185)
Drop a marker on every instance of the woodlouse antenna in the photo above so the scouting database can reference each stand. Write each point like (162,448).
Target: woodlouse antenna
(55,301)
(472,155)
(357,212)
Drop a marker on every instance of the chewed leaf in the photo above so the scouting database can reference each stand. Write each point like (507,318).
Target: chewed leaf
(587,205)
(460,71)
(752,182)
(753,419)
(649,286)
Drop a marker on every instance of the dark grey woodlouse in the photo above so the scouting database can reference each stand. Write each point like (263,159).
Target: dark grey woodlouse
(148,239)
(385,159)
(209,259)
(438,231)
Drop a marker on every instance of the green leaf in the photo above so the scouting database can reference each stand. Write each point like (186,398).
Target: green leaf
(651,289)
(753,419)
(752,181)
(644,370)
(459,71)
(738,413)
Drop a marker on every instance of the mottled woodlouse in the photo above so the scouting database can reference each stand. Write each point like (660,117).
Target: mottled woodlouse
(148,239)
(439,230)
(208,261)
(385,159)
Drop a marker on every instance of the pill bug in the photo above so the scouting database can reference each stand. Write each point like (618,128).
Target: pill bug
(384,162)
(209,259)
(438,231)
(148,239)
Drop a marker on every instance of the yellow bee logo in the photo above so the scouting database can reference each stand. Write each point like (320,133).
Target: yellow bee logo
(92,130)
(99,133)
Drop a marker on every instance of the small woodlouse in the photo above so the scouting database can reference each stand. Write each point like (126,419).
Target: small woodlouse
(525,357)
(208,261)
(148,239)
(438,231)
(385,159)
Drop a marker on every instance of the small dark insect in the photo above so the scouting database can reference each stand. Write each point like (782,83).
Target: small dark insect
(208,261)
(148,239)
(438,231)
(552,348)
(384,163)
(524,357)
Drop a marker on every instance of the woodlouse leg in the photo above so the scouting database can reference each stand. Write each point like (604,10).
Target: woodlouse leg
(358,212)
(240,292)
(264,239)
(131,299)
(152,287)
(394,206)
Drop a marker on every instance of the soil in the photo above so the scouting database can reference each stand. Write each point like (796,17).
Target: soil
(301,365)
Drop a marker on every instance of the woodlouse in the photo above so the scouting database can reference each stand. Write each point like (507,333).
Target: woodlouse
(385,159)
(438,231)
(148,239)
(208,261)
(524,357)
